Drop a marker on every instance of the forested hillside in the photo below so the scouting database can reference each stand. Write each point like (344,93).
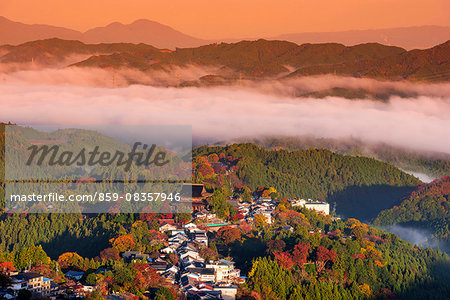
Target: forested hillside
(54,51)
(332,259)
(360,186)
(57,233)
(417,65)
(432,164)
(243,60)
(427,207)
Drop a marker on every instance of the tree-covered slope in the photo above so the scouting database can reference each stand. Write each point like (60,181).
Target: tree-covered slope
(427,207)
(432,164)
(252,59)
(324,258)
(418,65)
(360,186)
(57,233)
(248,60)
(53,51)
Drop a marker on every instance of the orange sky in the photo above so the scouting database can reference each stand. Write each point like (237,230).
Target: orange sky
(233,18)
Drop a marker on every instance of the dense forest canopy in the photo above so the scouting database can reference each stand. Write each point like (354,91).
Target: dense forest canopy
(427,207)
(432,164)
(351,261)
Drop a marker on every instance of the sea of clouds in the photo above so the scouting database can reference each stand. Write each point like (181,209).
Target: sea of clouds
(419,120)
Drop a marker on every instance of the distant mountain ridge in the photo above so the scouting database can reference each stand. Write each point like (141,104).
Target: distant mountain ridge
(53,51)
(163,36)
(265,59)
(250,59)
(418,65)
(140,31)
(246,60)
(406,37)
(15,33)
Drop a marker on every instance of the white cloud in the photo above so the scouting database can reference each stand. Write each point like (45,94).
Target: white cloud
(68,96)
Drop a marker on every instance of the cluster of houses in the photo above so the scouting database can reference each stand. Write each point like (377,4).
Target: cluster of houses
(265,207)
(261,206)
(197,278)
(43,287)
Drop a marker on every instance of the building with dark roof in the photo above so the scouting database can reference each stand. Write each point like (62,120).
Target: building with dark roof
(34,282)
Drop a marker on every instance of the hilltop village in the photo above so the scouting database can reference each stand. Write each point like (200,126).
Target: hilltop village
(247,236)
(183,259)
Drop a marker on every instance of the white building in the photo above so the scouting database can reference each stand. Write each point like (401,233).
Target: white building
(36,283)
(202,274)
(322,207)
(311,204)
(228,292)
(224,270)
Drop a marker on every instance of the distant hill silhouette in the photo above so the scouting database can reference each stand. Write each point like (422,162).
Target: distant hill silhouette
(140,31)
(15,33)
(405,37)
(163,36)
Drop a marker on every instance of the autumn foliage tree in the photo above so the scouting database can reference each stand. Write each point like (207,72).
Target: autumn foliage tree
(208,254)
(109,254)
(275,245)
(300,253)
(323,256)
(123,242)
(148,275)
(229,234)
(70,259)
(213,157)
(260,221)
(244,227)
(292,217)
(284,259)
(205,169)
(7,266)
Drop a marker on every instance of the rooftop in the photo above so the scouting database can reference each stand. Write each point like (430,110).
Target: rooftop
(26,276)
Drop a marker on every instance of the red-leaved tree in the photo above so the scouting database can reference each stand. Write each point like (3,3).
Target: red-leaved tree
(300,254)
(284,259)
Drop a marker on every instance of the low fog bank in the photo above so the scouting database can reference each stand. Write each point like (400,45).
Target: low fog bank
(70,96)
(419,237)
(42,65)
(97,77)
(421,176)
(191,75)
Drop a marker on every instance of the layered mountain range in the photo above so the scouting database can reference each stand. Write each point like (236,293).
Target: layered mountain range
(249,60)
(163,36)
(140,31)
